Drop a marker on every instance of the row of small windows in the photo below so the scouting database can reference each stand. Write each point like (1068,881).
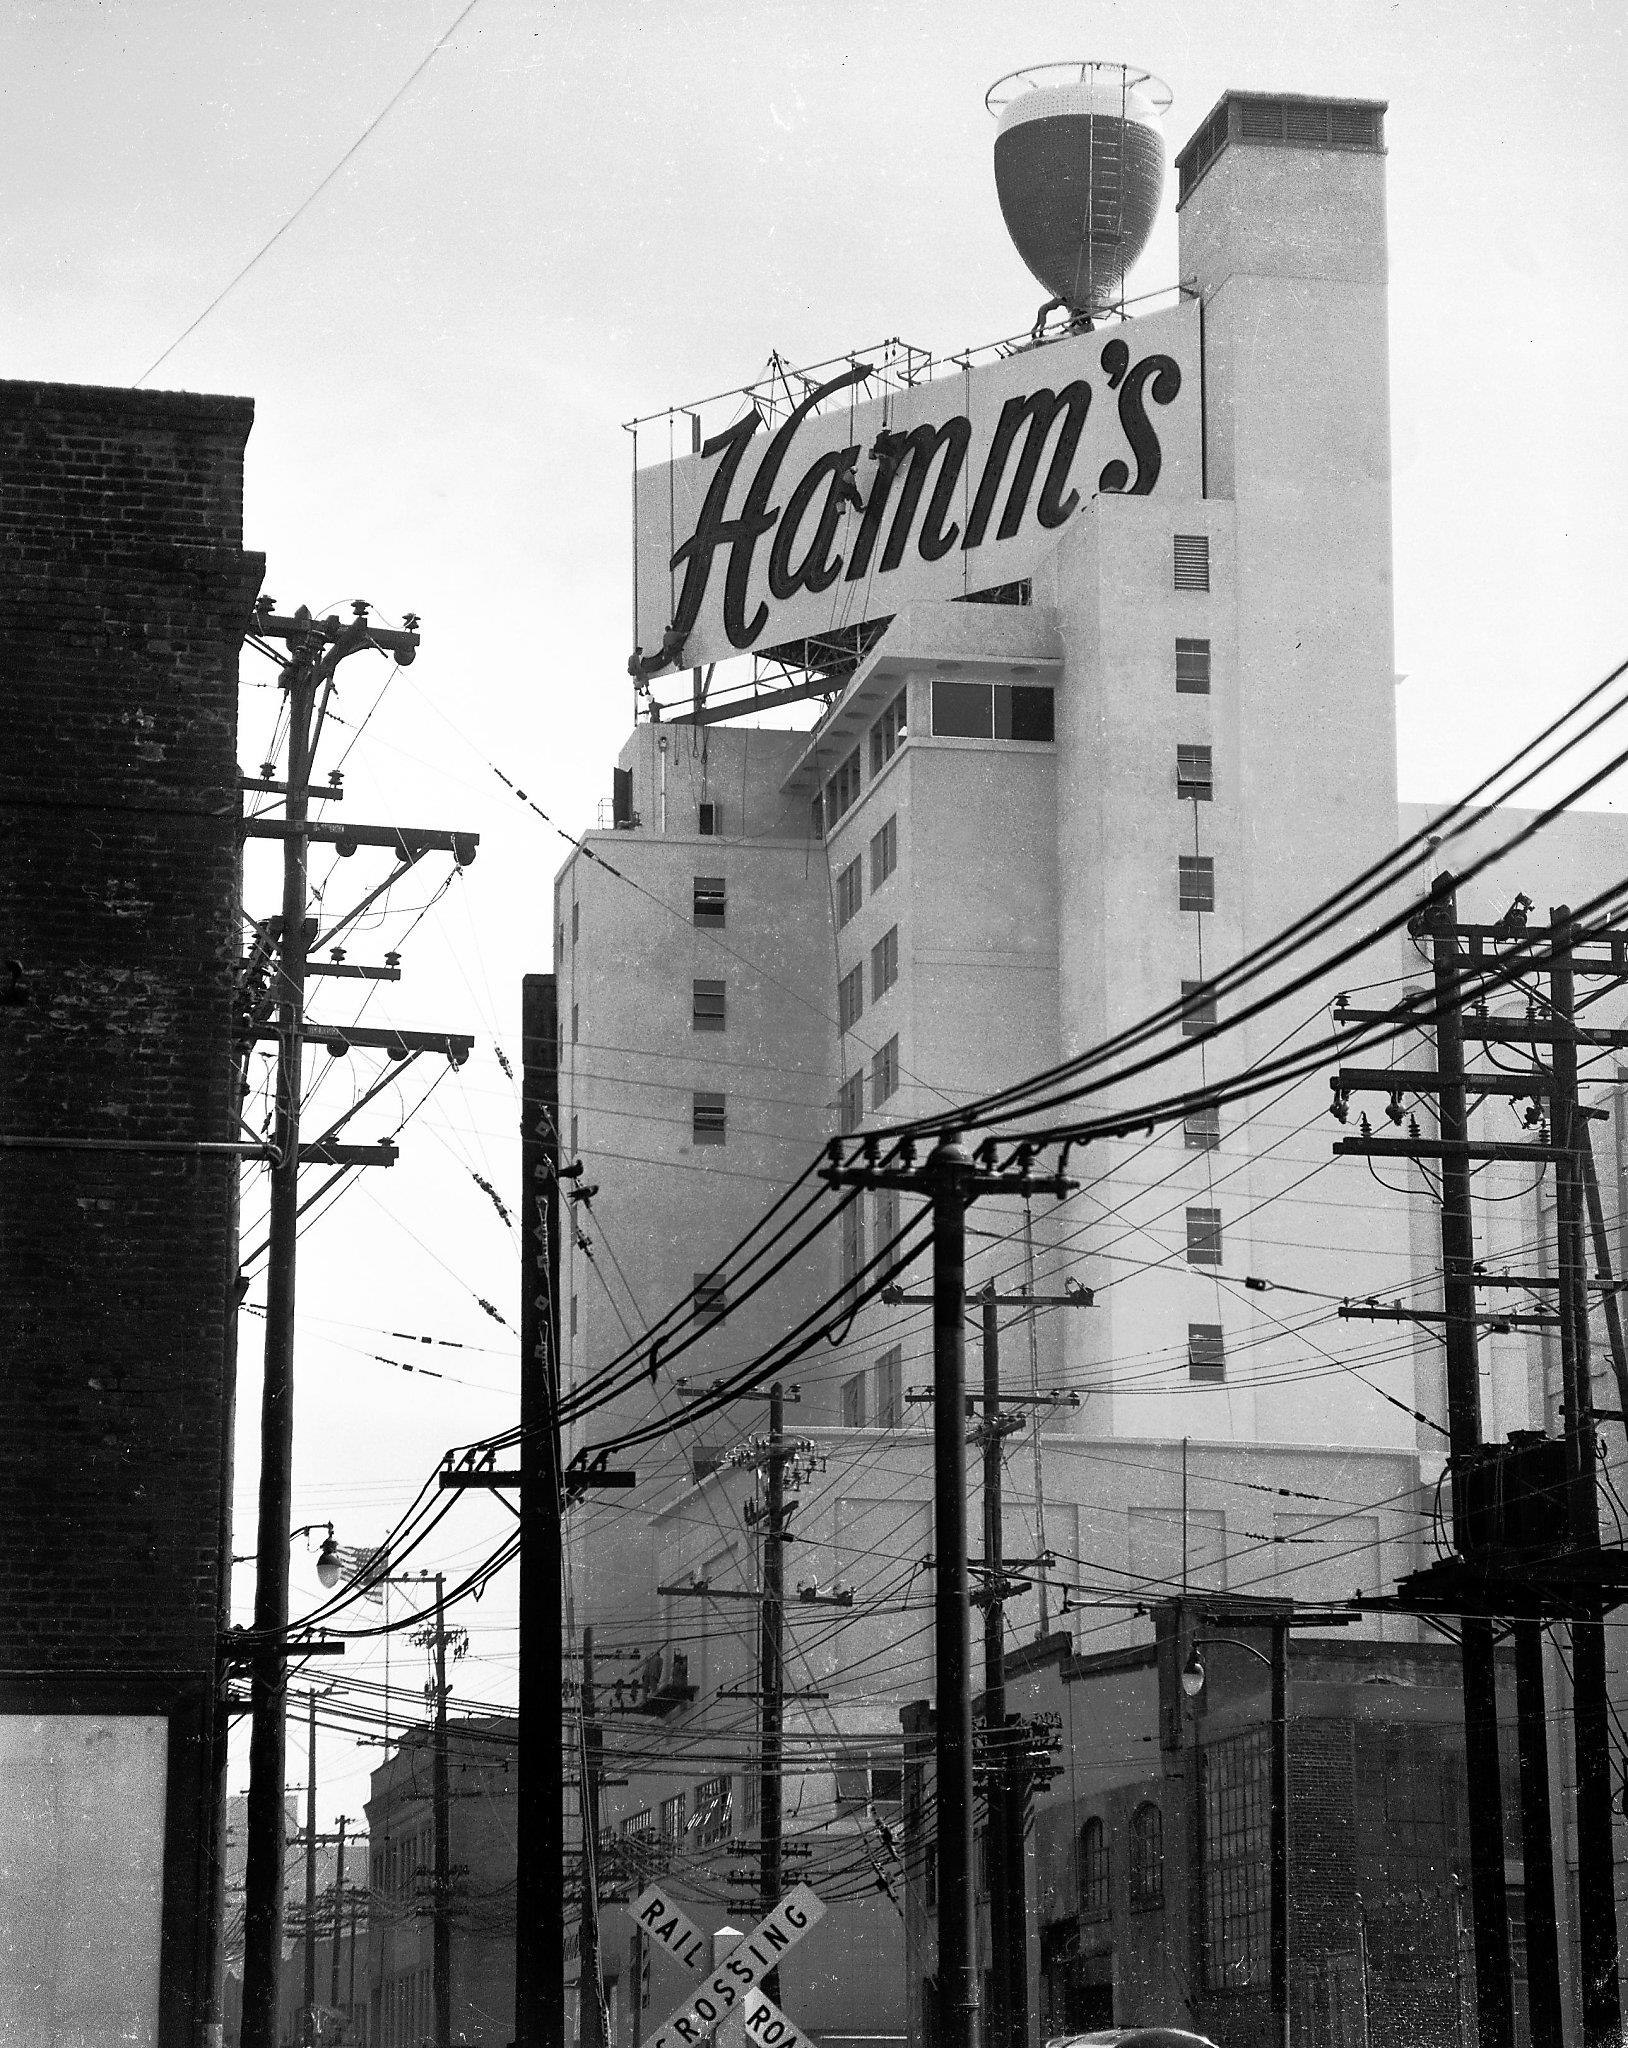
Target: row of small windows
(842,790)
(711,1822)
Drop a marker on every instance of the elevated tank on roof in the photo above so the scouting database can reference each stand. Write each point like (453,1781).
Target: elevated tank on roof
(1079,169)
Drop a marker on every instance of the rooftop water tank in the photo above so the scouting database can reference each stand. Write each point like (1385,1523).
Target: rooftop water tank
(1079,168)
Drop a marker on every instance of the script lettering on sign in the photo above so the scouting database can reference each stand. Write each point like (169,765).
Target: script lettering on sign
(749,1960)
(855,505)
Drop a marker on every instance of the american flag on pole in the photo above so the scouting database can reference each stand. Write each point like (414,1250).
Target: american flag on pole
(364,1569)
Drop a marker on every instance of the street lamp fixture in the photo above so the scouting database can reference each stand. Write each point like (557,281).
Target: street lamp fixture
(328,1564)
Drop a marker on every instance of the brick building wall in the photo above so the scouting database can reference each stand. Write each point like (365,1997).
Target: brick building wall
(124,589)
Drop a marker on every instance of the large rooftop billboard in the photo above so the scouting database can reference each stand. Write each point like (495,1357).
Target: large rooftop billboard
(852,506)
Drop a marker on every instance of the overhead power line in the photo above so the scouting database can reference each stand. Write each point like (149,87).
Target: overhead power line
(314,194)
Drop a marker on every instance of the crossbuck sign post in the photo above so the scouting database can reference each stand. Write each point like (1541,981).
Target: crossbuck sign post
(752,1958)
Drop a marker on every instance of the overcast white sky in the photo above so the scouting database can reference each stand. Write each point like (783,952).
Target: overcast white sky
(581,213)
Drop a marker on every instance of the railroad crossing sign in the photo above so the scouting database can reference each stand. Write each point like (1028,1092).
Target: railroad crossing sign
(752,1957)
(767,2025)
(661,1919)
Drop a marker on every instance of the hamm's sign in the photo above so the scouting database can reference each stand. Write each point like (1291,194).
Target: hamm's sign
(845,513)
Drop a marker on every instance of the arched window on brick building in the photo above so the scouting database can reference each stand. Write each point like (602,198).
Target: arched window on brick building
(1094,1855)
(1147,1858)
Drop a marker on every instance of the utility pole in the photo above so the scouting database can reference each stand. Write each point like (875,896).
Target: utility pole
(315,647)
(1006,1773)
(308,2027)
(951,1183)
(263,1866)
(590,1999)
(441,1946)
(1591,1733)
(1494,1985)
(772,1678)
(1500,1567)
(544,1489)
(1034,1395)
(539,1962)
(1537,1836)
(338,1896)
(1001,2023)
(350,1996)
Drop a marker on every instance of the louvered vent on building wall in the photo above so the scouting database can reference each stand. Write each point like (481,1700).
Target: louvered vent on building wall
(1301,123)
(1192,561)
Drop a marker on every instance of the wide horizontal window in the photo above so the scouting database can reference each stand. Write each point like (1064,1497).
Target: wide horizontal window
(998,711)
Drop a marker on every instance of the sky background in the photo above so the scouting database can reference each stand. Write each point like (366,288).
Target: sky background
(578,214)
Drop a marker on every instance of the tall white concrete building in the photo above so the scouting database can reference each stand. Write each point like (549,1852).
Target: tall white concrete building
(1020,828)
(1107,728)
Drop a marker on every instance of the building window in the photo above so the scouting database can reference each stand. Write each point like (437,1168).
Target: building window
(1234,1815)
(887,734)
(851,998)
(853,1402)
(1093,1871)
(1206,1352)
(707,1013)
(1192,668)
(708,1112)
(575,1023)
(862,1784)
(884,963)
(885,1072)
(709,820)
(1197,1008)
(850,893)
(573,1315)
(842,791)
(999,711)
(714,1802)
(884,853)
(885,1216)
(816,815)
(1201,1128)
(1204,1237)
(1197,881)
(1147,1858)
(711,1297)
(709,899)
(853,1243)
(672,1819)
(851,1103)
(573,1134)
(1195,776)
(889,1402)
(576,922)
(1192,561)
